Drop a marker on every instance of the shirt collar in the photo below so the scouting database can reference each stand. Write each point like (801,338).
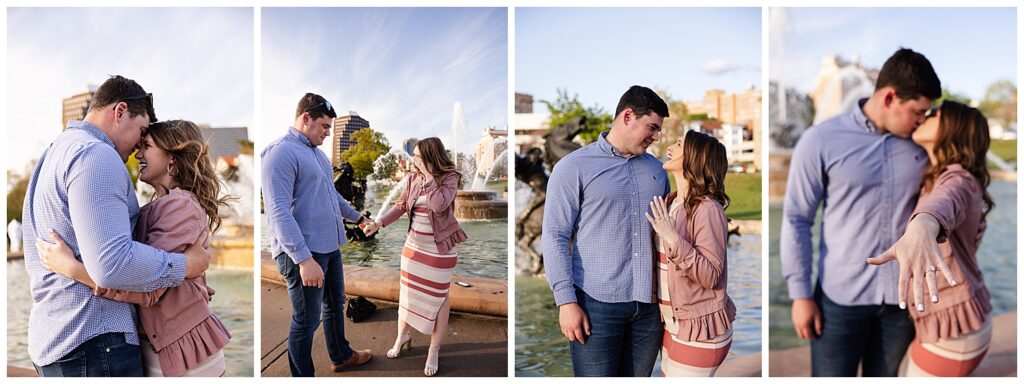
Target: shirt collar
(862,118)
(606,147)
(295,134)
(91,129)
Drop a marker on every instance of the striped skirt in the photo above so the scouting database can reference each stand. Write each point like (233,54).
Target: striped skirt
(693,358)
(950,357)
(426,273)
(214,366)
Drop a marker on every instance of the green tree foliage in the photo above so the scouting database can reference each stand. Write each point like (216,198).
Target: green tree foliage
(246,147)
(955,96)
(16,196)
(1000,102)
(369,146)
(565,109)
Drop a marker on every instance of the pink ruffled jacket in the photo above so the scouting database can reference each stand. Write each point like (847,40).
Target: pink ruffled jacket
(698,272)
(956,203)
(440,203)
(177,321)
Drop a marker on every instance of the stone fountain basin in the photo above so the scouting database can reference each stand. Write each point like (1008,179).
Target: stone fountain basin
(480,205)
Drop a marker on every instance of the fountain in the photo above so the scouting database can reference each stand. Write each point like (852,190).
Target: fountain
(233,243)
(477,202)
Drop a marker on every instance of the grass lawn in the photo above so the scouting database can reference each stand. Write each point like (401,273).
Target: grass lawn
(1005,149)
(744,190)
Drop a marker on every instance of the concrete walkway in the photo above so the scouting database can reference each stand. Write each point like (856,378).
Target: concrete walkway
(1000,361)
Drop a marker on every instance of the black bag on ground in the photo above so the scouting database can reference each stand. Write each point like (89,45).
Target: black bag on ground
(359,309)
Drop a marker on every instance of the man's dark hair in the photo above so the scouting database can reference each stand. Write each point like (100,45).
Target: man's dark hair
(316,105)
(911,75)
(642,100)
(120,89)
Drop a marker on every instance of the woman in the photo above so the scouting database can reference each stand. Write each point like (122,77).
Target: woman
(692,231)
(953,333)
(429,255)
(180,335)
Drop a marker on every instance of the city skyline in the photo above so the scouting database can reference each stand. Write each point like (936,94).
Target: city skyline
(981,50)
(673,52)
(46,47)
(400,68)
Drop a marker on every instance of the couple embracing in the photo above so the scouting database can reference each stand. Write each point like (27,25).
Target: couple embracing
(120,290)
(636,270)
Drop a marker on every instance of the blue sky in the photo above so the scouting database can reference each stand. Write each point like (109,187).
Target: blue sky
(400,68)
(197,62)
(969,48)
(599,52)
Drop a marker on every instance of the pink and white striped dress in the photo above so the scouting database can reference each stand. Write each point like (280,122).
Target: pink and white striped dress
(426,273)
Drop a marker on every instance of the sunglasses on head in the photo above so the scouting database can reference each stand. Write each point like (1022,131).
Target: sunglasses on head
(326,104)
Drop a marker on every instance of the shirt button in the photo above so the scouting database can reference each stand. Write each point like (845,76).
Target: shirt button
(636,234)
(636,254)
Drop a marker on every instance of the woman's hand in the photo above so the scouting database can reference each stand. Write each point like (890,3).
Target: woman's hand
(58,257)
(663,223)
(422,170)
(919,258)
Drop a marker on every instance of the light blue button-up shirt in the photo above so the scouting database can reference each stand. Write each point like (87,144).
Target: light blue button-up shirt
(868,183)
(81,189)
(303,208)
(596,235)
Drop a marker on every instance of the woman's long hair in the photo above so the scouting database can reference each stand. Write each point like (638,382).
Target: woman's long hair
(704,167)
(963,139)
(436,158)
(192,169)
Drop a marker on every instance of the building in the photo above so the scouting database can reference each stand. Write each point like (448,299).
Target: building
(524,103)
(224,142)
(344,127)
(75,107)
(492,144)
(738,109)
(409,144)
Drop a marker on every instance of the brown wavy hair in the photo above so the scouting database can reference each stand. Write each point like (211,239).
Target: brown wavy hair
(436,158)
(963,139)
(704,167)
(193,171)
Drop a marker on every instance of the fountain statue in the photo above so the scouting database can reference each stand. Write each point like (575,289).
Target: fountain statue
(354,191)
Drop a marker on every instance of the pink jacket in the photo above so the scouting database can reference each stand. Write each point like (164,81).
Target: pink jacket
(956,203)
(698,272)
(177,321)
(440,203)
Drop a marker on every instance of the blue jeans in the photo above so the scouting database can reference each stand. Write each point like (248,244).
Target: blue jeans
(106,355)
(876,336)
(624,340)
(307,304)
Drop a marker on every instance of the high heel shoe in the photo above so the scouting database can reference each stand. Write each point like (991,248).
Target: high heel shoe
(431,369)
(405,342)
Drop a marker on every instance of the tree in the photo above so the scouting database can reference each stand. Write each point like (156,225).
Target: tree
(954,96)
(565,109)
(1000,102)
(245,147)
(369,146)
(388,166)
(16,196)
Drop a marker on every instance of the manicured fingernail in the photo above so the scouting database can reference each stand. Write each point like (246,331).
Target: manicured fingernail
(935,298)
(952,282)
(920,307)
(903,305)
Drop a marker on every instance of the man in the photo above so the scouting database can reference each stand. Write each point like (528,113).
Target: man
(598,246)
(80,191)
(866,172)
(305,212)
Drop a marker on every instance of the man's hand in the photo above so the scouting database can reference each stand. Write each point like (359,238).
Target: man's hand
(573,322)
(197,260)
(919,257)
(311,273)
(806,318)
(370,227)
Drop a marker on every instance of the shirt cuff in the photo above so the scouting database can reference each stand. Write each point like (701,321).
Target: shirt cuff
(175,269)
(565,296)
(800,289)
(300,255)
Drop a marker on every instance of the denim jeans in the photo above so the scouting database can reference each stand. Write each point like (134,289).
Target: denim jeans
(624,340)
(876,336)
(307,305)
(106,355)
